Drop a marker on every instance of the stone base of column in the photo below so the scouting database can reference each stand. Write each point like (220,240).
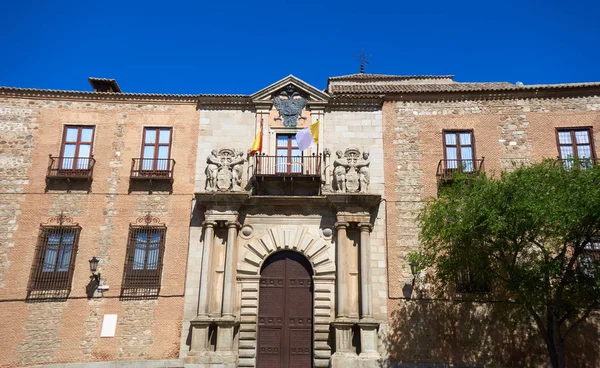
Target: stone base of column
(225,328)
(343,337)
(200,331)
(368,338)
(202,354)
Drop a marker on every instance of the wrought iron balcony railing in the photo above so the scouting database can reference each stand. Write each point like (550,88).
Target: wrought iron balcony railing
(71,167)
(152,168)
(578,163)
(296,166)
(447,169)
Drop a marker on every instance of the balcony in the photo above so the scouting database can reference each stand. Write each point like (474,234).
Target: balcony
(448,169)
(150,174)
(287,175)
(578,163)
(70,173)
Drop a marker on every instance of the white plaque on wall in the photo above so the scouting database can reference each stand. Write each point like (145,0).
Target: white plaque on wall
(109,325)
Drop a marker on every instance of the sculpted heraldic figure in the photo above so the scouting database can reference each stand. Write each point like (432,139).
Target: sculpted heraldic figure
(224,170)
(351,171)
(290,107)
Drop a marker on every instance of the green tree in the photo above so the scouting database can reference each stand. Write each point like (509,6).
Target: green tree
(531,232)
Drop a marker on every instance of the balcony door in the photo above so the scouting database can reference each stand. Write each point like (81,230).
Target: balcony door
(156,149)
(459,150)
(289,156)
(76,147)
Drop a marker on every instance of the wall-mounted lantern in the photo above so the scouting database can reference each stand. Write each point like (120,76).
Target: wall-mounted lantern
(93,267)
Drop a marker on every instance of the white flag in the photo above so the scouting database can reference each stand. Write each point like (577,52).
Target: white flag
(308,136)
(304,139)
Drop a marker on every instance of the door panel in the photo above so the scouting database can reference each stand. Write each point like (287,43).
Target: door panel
(285,313)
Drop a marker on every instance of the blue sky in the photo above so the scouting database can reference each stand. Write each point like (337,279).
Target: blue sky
(242,46)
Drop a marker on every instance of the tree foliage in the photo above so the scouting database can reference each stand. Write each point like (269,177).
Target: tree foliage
(531,232)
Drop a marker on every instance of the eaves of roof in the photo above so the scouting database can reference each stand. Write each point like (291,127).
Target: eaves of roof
(380,77)
(87,95)
(393,89)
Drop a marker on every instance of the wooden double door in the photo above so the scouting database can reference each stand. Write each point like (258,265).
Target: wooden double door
(285,312)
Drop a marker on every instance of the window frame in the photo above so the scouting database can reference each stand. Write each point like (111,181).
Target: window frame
(574,144)
(457,133)
(78,144)
(292,167)
(41,280)
(143,282)
(155,159)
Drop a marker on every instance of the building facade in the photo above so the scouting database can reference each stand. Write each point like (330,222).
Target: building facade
(211,257)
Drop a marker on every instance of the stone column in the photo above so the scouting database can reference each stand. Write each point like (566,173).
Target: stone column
(368,326)
(232,234)
(366,303)
(341,271)
(227,322)
(201,323)
(209,236)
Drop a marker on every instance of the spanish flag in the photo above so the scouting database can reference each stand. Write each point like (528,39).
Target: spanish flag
(257,145)
(308,136)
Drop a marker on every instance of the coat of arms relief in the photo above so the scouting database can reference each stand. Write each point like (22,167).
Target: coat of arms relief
(351,171)
(224,170)
(289,103)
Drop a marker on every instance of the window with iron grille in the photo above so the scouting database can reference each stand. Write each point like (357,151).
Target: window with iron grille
(589,261)
(54,260)
(144,260)
(467,283)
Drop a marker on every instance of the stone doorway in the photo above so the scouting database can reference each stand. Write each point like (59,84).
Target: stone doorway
(285,320)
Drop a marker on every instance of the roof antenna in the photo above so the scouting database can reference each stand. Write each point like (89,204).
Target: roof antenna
(362,59)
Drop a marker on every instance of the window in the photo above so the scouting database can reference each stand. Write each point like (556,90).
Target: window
(143,264)
(289,156)
(54,258)
(575,144)
(589,261)
(76,147)
(468,284)
(459,150)
(156,149)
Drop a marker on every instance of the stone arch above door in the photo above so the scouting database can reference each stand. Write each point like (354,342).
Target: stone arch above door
(315,249)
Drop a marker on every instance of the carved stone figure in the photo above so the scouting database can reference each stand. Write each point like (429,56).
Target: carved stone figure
(339,173)
(363,172)
(291,107)
(351,172)
(224,170)
(212,168)
(238,169)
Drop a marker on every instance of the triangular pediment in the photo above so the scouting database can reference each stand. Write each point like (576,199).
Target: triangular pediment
(312,94)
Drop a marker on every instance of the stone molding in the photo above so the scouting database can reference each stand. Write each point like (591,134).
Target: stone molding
(297,239)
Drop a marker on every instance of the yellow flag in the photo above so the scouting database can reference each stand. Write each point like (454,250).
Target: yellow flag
(314,131)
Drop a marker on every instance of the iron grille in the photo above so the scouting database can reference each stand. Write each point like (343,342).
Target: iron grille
(144,261)
(54,260)
(448,168)
(71,167)
(298,166)
(152,168)
(467,283)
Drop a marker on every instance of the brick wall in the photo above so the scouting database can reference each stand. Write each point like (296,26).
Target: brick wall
(507,133)
(68,331)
